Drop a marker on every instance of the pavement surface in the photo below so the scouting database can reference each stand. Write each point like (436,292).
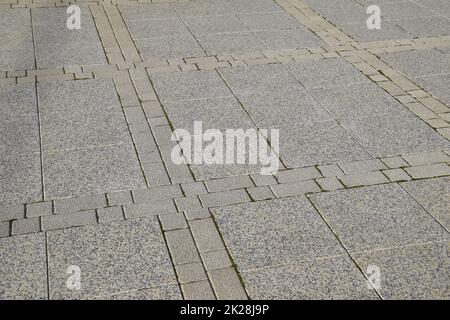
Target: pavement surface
(92,205)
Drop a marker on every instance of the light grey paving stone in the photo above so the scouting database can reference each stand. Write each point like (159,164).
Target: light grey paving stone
(194,188)
(11,18)
(206,236)
(150,29)
(173,221)
(197,214)
(5,229)
(252,6)
(188,203)
(217,171)
(67,220)
(110,214)
(215,24)
(359,167)
(263,180)
(189,85)
(357,101)
(405,10)
(385,217)
(395,162)
(191,272)
(418,159)
(167,48)
(295,188)
(396,175)
(113,258)
(19,136)
(434,196)
(23,226)
(149,208)
(254,233)
(248,80)
(23,271)
(229,183)
(425,26)
(281,108)
(17,59)
(214,260)
(351,13)
(165,292)
(330,170)
(224,198)
(437,85)
(429,171)
(80,203)
(413,272)
(289,39)
(181,246)
(278,20)
(318,144)
(389,31)
(12,212)
(156,174)
(227,43)
(154,11)
(91,171)
(326,73)
(201,8)
(299,174)
(331,278)
(17,101)
(38,209)
(198,291)
(21,179)
(157,193)
(226,284)
(393,134)
(330,184)
(58,17)
(119,198)
(260,193)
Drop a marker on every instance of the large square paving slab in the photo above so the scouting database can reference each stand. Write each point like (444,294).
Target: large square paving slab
(377,217)
(23,267)
(275,232)
(114,258)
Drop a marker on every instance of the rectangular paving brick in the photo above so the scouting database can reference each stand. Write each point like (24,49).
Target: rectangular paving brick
(224,198)
(66,220)
(295,188)
(227,285)
(298,175)
(230,183)
(428,171)
(181,246)
(157,193)
(23,226)
(365,179)
(205,234)
(149,208)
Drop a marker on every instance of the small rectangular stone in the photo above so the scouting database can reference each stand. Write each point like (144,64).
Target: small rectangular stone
(367,179)
(330,184)
(80,203)
(263,180)
(397,175)
(429,171)
(191,272)
(181,246)
(331,170)
(224,198)
(155,193)
(173,221)
(110,214)
(12,212)
(295,188)
(214,260)
(24,226)
(152,109)
(194,188)
(149,208)
(422,158)
(227,285)
(438,123)
(298,175)
(197,214)
(119,198)
(39,209)
(229,183)
(444,132)
(421,111)
(395,162)
(66,220)
(434,105)
(4,229)
(188,203)
(198,291)
(359,167)
(206,235)
(260,193)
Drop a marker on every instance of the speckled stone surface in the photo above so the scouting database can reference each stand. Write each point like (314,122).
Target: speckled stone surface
(434,196)
(274,232)
(23,270)
(166,292)
(331,278)
(377,217)
(113,258)
(414,272)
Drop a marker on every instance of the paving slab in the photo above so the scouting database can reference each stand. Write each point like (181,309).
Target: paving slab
(289,39)
(149,29)
(228,43)
(154,11)
(113,258)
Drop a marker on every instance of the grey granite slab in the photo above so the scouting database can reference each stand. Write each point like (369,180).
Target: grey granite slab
(405,10)
(201,8)
(270,21)
(389,31)
(58,17)
(170,47)
(426,26)
(154,11)
(11,19)
(377,217)
(17,101)
(289,39)
(165,292)
(148,29)
(253,6)
(437,85)
(228,43)
(215,24)
(19,135)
